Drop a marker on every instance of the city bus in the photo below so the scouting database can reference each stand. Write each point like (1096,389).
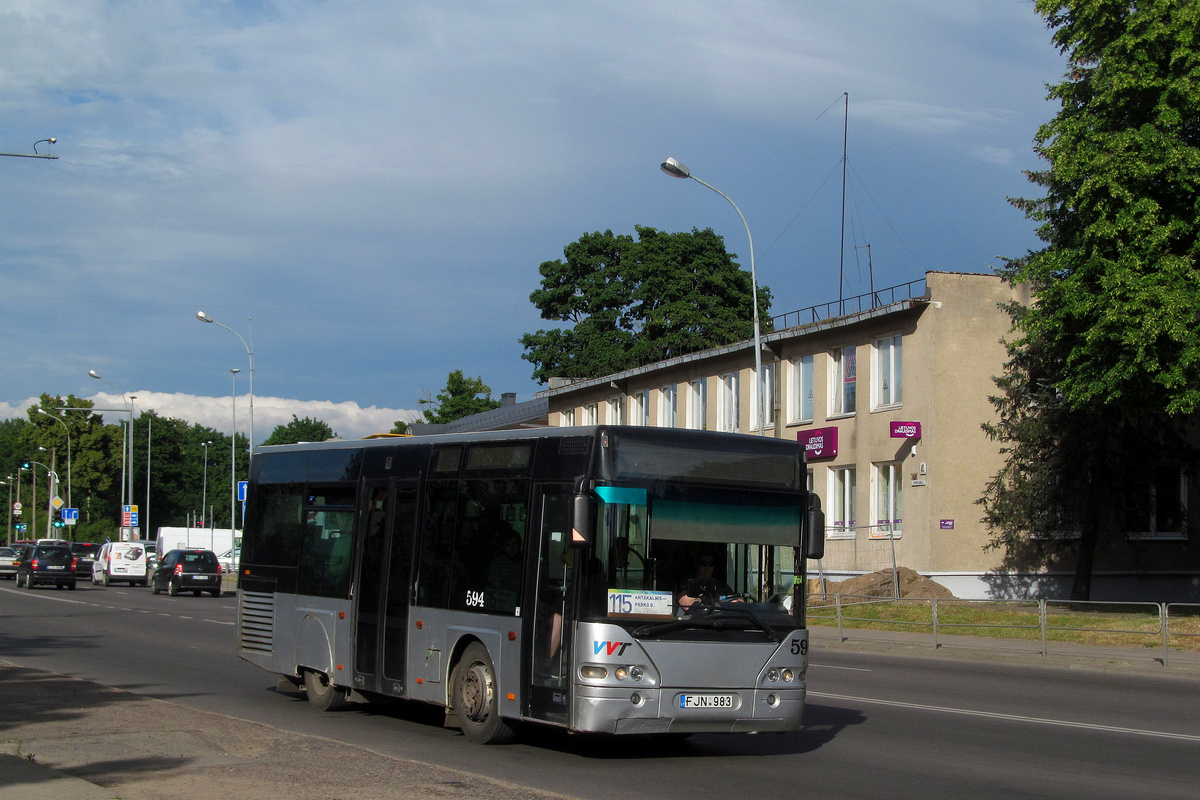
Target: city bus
(625,580)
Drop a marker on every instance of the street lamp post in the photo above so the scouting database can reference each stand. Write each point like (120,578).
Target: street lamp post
(676,169)
(126,465)
(8,481)
(60,421)
(204,490)
(50,475)
(233,458)
(200,315)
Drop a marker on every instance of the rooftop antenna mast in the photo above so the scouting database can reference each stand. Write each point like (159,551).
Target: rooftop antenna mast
(870,272)
(842,249)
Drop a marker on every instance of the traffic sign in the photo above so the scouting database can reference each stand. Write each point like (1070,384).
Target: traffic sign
(70,515)
(57,502)
(242,490)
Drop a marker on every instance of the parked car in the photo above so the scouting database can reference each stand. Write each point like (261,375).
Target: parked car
(229,560)
(86,552)
(47,563)
(120,561)
(192,571)
(10,559)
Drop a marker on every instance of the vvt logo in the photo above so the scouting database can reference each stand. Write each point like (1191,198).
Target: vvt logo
(610,648)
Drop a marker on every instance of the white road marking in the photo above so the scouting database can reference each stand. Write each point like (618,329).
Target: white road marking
(1187,737)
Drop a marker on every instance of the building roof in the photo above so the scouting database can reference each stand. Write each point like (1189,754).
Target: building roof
(530,414)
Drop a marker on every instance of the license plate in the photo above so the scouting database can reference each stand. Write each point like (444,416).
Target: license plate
(199,577)
(51,566)
(706,701)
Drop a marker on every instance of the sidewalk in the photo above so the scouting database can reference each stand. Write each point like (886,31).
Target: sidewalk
(69,739)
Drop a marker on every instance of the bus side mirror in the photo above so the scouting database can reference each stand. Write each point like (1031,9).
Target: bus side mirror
(815,522)
(582,514)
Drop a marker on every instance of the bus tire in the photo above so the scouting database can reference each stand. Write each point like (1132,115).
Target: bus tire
(323,695)
(477,699)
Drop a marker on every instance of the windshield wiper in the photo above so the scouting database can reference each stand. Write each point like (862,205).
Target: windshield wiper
(744,608)
(710,618)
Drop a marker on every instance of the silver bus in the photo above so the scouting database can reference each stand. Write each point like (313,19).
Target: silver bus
(626,580)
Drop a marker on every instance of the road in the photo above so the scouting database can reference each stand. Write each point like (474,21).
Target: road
(875,726)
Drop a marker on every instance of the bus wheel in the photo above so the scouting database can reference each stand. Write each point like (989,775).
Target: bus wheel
(322,694)
(477,699)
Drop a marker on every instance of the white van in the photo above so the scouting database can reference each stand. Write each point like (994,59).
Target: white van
(121,561)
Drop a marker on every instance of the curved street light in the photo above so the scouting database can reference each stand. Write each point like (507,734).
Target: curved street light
(35,153)
(200,315)
(676,169)
(60,421)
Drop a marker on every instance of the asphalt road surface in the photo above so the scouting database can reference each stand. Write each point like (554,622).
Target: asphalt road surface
(875,726)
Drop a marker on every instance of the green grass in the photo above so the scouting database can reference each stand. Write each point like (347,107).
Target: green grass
(1130,625)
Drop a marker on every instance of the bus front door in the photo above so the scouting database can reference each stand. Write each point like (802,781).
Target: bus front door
(381,585)
(548,659)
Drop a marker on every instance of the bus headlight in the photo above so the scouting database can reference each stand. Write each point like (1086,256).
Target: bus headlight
(773,674)
(788,676)
(637,673)
(621,673)
(593,673)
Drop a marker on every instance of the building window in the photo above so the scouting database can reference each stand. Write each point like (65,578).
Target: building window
(889,485)
(669,408)
(590,414)
(616,411)
(845,374)
(889,376)
(568,417)
(767,387)
(639,408)
(843,498)
(727,403)
(1159,511)
(697,407)
(801,402)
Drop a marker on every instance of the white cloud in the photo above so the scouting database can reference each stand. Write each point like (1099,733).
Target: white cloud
(348,419)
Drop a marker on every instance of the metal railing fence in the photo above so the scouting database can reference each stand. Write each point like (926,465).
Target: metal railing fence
(1043,619)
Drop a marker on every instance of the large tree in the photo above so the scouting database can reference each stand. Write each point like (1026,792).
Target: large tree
(635,301)
(462,397)
(1104,369)
(301,430)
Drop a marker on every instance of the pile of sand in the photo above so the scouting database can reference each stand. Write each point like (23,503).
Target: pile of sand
(879,584)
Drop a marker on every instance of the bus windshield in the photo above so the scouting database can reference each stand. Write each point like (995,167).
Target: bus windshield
(660,559)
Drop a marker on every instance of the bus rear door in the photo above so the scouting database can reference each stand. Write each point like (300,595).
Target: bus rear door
(382,580)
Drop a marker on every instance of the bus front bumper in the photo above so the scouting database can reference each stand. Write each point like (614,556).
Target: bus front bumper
(663,710)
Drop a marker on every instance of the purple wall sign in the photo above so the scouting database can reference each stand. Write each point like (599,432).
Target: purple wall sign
(906,430)
(819,442)
(947,525)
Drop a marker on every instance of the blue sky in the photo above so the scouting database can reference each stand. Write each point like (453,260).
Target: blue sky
(375,184)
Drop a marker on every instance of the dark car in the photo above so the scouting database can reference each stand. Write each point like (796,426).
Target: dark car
(86,553)
(47,563)
(192,571)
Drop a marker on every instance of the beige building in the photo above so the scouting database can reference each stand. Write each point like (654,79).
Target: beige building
(889,398)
